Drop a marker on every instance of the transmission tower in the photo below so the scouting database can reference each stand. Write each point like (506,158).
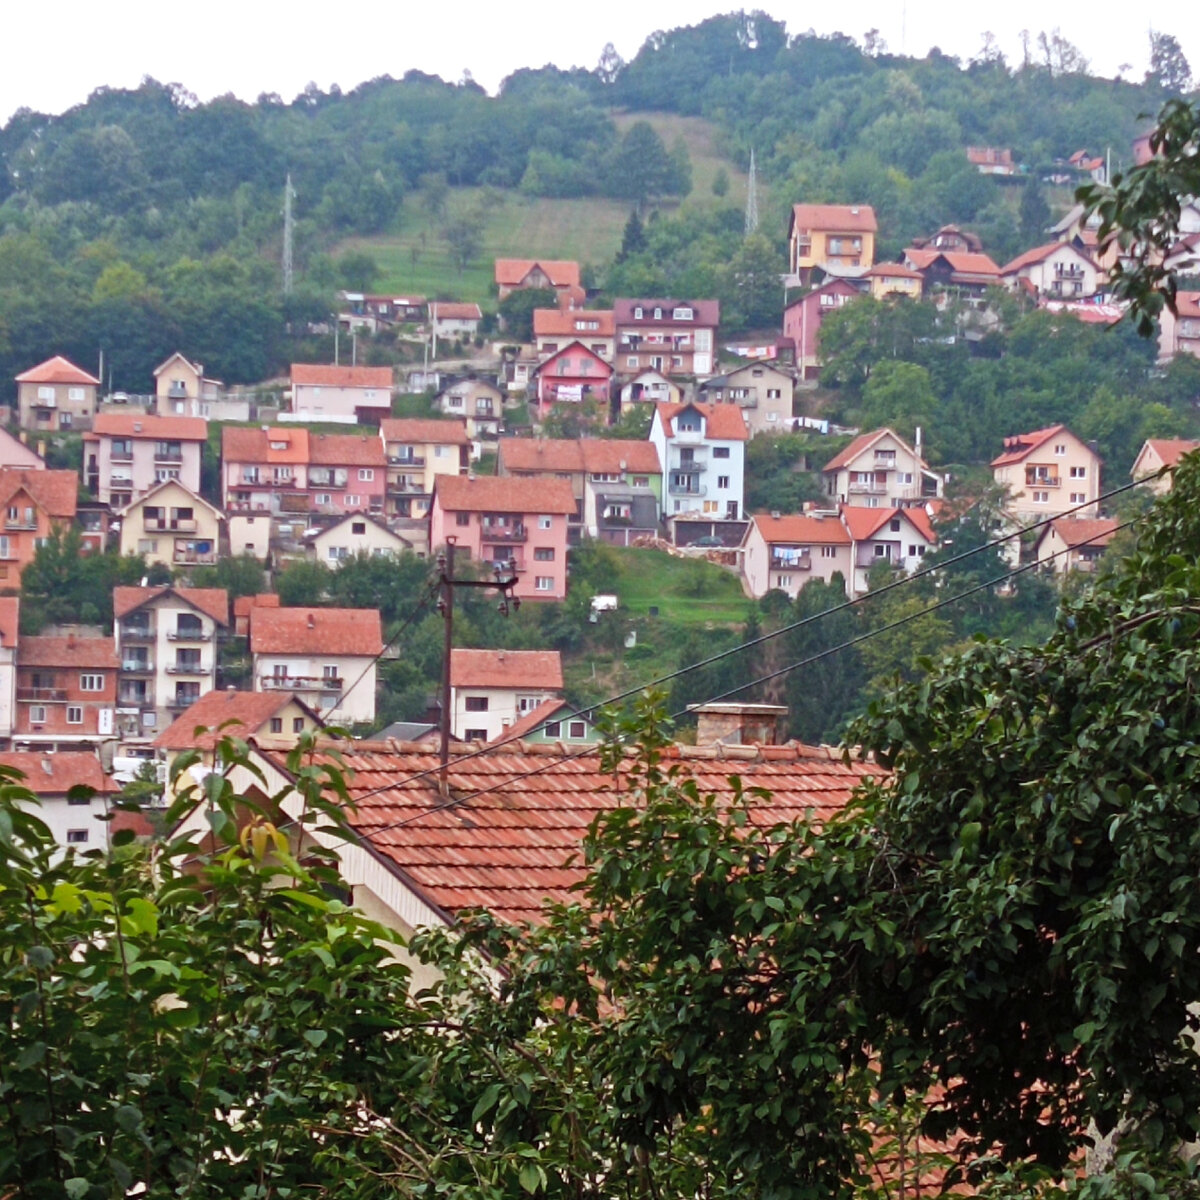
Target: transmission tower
(287,236)
(752,198)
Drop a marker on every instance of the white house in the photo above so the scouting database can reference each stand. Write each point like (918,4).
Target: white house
(493,689)
(1058,269)
(880,470)
(783,552)
(701,450)
(321,392)
(354,535)
(898,536)
(76,823)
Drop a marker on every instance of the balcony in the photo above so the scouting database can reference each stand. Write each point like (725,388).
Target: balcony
(19,523)
(178,704)
(868,489)
(689,437)
(196,668)
(177,391)
(207,558)
(801,562)
(865,556)
(1032,479)
(167,525)
(168,456)
(41,695)
(188,635)
(327,479)
(400,460)
(504,534)
(405,487)
(120,456)
(137,666)
(135,699)
(680,488)
(301,683)
(137,633)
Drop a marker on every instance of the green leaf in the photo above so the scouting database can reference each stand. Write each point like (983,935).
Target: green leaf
(531,1177)
(316,1037)
(77,1187)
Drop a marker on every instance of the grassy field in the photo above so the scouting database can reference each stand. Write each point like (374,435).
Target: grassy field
(415,259)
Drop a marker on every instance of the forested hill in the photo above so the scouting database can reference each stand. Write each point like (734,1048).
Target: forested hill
(148,199)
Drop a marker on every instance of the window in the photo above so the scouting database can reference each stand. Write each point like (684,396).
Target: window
(829,552)
(658,314)
(904,477)
(774,394)
(881,551)
(682,314)
(640,481)
(462,518)
(37,714)
(358,527)
(476,735)
(783,581)
(915,551)
(77,837)
(91,683)
(297,724)
(1041,497)
(631,360)
(454,402)
(163,474)
(353,501)
(276,724)
(322,498)
(79,801)
(64,420)
(545,522)
(329,673)
(1079,472)
(720,452)
(543,554)
(74,714)
(637,314)
(544,583)
(1078,498)
(1060,449)
(47,393)
(576,729)
(366,474)
(440,451)
(5,546)
(722,481)
(894,524)
(476,704)
(552,729)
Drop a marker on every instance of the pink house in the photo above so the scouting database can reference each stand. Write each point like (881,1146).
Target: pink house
(126,454)
(518,521)
(571,374)
(802,320)
(346,472)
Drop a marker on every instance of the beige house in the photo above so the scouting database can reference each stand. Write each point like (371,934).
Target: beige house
(354,535)
(1074,544)
(182,390)
(895,279)
(838,239)
(1047,472)
(56,396)
(1179,331)
(763,393)
(1157,453)
(479,403)
(555,328)
(881,470)
(784,552)
(1060,270)
(126,454)
(493,689)
(418,450)
(250,533)
(323,392)
(173,526)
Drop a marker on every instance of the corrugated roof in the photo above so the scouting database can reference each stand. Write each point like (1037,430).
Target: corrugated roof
(213,602)
(54,774)
(721,421)
(506,669)
(136,425)
(511,272)
(424,430)
(801,529)
(94,652)
(250,710)
(488,493)
(54,492)
(855,218)
(508,850)
(326,375)
(350,631)
(57,370)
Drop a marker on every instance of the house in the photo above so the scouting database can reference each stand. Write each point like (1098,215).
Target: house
(762,392)
(324,656)
(76,820)
(572,374)
(517,364)
(34,504)
(517,522)
(1179,331)
(880,470)
(961,272)
(649,387)
(701,451)
(900,537)
(250,534)
(895,279)
(610,479)
(1047,472)
(951,238)
(243,606)
(346,473)
(181,389)
(173,526)
(673,337)
(66,690)
(516,274)
(1074,543)
(355,535)
(10,625)
(14,453)
(492,689)
(321,392)
(991,160)
(360,310)
(126,454)
(782,553)
(166,643)
(1157,453)
(453,322)
(838,239)
(1058,269)
(56,396)
(418,450)
(554,721)
(802,322)
(555,328)
(479,403)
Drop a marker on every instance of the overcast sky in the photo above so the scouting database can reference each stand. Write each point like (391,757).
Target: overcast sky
(250,46)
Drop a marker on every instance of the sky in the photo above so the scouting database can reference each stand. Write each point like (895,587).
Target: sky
(255,46)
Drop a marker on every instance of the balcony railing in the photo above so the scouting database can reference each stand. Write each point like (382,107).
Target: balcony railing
(188,635)
(136,633)
(168,456)
(178,668)
(178,704)
(177,391)
(41,694)
(405,487)
(301,683)
(137,666)
(686,489)
(399,460)
(194,556)
(169,525)
(135,699)
(868,489)
(781,563)
(120,456)
(20,523)
(504,533)
(1043,481)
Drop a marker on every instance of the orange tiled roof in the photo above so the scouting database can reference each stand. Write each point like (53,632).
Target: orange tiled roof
(242,445)
(488,493)
(1076,531)
(213,602)
(345,449)
(599,456)
(10,614)
(326,375)
(961,262)
(857,218)
(866,523)
(57,370)
(506,668)
(531,720)
(70,651)
(893,271)
(864,441)
(55,774)
(511,272)
(243,604)
(135,425)
(1039,254)
(444,311)
(1171,450)
(721,421)
(508,850)
(54,492)
(251,711)
(1020,445)
(349,631)
(815,530)
(566,322)
(424,430)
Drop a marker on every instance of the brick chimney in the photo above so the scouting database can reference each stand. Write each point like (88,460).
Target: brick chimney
(738,724)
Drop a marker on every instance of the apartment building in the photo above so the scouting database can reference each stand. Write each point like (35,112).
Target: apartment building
(126,454)
(66,690)
(56,396)
(701,451)
(674,337)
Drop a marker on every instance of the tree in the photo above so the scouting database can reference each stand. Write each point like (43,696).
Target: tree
(303,583)
(463,238)
(1169,68)
(238,574)
(1034,211)
(516,310)
(633,239)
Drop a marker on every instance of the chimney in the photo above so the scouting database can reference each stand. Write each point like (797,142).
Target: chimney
(738,724)
(312,621)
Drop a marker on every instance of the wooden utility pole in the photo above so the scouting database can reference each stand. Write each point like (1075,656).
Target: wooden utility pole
(503,584)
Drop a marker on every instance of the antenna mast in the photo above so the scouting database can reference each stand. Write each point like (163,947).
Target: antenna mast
(752,198)
(288,193)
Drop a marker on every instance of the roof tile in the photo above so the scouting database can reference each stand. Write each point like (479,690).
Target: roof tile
(506,668)
(345,631)
(488,493)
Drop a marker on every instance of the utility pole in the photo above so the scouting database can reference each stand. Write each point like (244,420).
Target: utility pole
(503,584)
(288,232)
(752,197)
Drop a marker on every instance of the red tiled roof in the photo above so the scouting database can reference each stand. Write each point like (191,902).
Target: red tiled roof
(603,369)
(10,614)
(424,430)
(135,425)
(251,711)
(610,456)
(243,604)
(510,272)
(506,668)
(566,322)
(508,850)
(1020,445)
(488,493)
(1076,531)
(442,311)
(599,456)
(1171,450)
(1040,254)
(531,720)
(804,529)
(326,375)
(243,445)
(858,218)
(54,774)
(54,492)
(866,523)
(70,651)
(864,441)
(722,421)
(345,449)
(57,370)
(893,271)
(213,602)
(960,262)
(349,631)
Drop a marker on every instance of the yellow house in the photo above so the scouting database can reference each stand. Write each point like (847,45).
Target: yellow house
(837,238)
(418,451)
(895,279)
(173,526)
(1047,473)
(1157,453)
